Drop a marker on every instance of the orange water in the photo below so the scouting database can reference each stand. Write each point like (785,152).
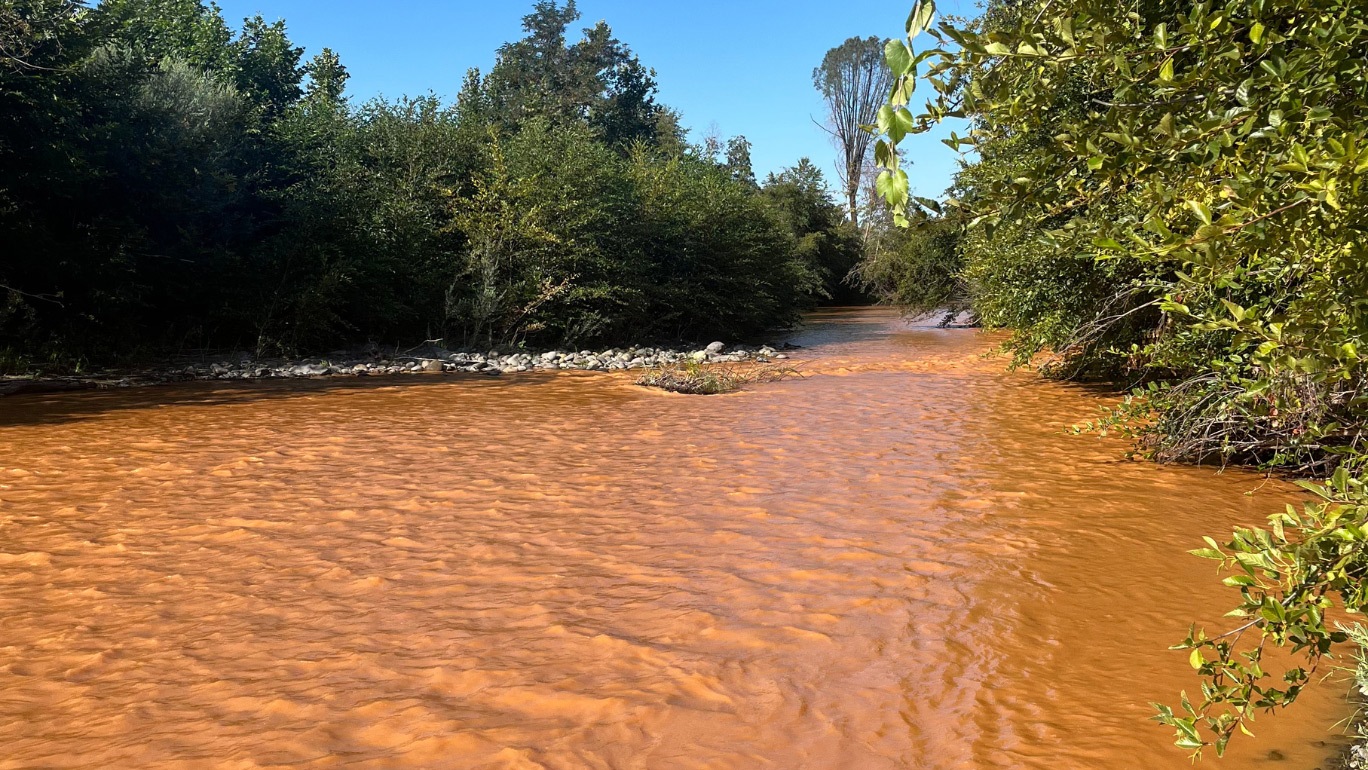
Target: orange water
(899,561)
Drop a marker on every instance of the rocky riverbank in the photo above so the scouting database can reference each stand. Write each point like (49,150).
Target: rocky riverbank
(373,362)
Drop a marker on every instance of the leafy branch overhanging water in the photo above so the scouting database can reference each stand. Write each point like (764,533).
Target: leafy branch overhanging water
(1172,194)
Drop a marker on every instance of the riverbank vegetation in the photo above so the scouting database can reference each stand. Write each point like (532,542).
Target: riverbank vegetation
(1171,195)
(169,182)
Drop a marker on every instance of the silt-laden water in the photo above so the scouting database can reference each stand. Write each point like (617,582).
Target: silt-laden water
(902,560)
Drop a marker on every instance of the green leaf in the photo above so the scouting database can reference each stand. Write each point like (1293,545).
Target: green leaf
(1065,28)
(997,49)
(899,58)
(1166,71)
(1202,211)
(1256,33)
(883,154)
(1188,729)
(923,12)
(901,125)
(893,187)
(1209,232)
(884,119)
(903,88)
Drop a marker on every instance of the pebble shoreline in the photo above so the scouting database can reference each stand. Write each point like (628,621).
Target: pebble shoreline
(428,361)
(488,363)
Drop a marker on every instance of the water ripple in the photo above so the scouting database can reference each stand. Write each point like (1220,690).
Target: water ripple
(898,561)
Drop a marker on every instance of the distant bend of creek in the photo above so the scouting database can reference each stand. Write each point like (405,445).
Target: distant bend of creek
(900,560)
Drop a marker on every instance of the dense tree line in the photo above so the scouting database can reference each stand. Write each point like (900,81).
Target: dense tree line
(167,180)
(1171,193)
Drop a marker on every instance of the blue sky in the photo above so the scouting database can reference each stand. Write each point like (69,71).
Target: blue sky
(738,67)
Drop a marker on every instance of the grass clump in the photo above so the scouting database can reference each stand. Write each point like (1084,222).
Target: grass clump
(694,378)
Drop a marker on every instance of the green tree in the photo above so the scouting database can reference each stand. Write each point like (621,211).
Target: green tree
(822,238)
(41,44)
(268,67)
(190,31)
(596,80)
(168,181)
(499,283)
(918,268)
(738,160)
(327,78)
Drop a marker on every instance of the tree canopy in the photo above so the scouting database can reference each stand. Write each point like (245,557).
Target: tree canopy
(596,79)
(171,181)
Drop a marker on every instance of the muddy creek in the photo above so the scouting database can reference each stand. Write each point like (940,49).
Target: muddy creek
(901,560)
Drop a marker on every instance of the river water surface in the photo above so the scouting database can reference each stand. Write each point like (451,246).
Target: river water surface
(901,560)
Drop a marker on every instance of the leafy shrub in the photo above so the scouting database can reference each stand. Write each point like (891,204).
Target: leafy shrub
(1171,194)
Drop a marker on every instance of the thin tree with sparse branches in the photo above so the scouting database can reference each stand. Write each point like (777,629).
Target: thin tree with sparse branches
(855,82)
